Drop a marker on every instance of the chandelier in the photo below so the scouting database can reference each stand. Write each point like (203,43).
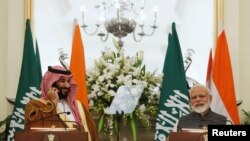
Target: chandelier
(120,18)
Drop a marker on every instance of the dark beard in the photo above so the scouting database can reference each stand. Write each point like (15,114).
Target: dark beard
(62,96)
(60,93)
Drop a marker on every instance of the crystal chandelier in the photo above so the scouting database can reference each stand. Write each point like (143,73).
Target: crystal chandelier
(120,18)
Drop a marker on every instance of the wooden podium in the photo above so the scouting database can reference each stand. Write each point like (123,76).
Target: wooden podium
(187,136)
(47,135)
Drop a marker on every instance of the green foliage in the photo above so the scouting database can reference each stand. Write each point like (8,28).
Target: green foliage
(246,120)
(114,69)
(4,128)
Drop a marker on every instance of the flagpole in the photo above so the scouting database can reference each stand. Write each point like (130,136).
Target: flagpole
(221,8)
(218,17)
(29,10)
(215,23)
(29,14)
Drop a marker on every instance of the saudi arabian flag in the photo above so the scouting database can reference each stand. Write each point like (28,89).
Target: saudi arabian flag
(174,92)
(29,83)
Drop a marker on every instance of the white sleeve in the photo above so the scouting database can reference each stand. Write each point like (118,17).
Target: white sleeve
(175,126)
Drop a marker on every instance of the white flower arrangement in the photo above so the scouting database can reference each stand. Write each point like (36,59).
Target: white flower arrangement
(112,70)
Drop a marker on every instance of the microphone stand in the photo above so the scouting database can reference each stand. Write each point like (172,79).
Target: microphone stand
(118,120)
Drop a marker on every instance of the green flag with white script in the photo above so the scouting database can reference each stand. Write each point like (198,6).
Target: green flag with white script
(174,91)
(29,83)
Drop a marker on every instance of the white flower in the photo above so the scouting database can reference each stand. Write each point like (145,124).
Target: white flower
(96,87)
(140,55)
(112,70)
(108,53)
(142,108)
(106,110)
(111,93)
(100,93)
(91,103)
(137,72)
(101,78)
(92,95)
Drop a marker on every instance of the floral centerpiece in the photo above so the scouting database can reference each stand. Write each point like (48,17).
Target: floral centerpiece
(112,70)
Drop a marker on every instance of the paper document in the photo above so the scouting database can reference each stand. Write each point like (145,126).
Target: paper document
(126,99)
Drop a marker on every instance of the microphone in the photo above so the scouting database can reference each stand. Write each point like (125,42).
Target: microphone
(219,121)
(50,116)
(64,112)
(63,122)
(64,125)
(229,121)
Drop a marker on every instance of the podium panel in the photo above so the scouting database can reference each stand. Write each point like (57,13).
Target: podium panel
(187,136)
(51,136)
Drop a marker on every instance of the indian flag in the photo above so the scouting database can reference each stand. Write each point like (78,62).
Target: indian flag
(220,81)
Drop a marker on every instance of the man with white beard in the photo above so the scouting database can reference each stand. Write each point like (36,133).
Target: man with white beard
(201,114)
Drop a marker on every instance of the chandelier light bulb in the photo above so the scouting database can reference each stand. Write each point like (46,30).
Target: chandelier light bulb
(122,23)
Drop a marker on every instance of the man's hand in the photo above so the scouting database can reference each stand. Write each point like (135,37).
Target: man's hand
(53,95)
